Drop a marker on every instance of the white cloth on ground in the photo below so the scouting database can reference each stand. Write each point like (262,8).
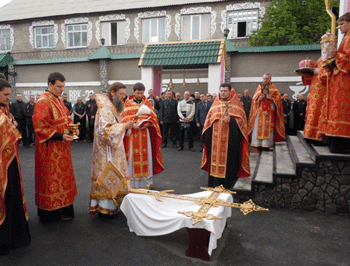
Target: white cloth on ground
(148,217)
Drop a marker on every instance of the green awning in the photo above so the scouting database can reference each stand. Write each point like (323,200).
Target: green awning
(5,60)
(183,53)
(101,53)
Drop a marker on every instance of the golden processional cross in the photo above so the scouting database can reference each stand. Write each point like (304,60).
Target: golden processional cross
(205,202)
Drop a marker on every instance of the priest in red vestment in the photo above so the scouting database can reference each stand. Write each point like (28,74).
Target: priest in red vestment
(55,187)
(14,231)
(142,145)
(336,109)
(315,102)
(225,140)
(266,119)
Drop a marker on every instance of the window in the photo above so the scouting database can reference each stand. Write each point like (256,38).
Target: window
(44,37)
(153,30)
(77,35)
(242,23)
(113,32)
(5,40)
(195,27)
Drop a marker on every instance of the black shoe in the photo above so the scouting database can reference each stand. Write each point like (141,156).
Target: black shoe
(163,145)
(180,149)
(27,146)
(201,150)
(175,146)
(191,149)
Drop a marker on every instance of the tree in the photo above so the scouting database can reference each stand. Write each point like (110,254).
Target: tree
(293,22)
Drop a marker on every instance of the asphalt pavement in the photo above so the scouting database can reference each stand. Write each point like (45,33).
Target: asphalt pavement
(277,237)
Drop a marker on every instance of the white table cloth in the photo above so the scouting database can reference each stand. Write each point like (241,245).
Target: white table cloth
(148,217)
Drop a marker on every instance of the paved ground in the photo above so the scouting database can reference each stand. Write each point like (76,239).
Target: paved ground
(277,237)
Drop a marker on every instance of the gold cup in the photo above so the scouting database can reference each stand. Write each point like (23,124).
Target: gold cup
(73,128)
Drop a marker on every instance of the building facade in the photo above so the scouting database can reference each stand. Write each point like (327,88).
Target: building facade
(94,43)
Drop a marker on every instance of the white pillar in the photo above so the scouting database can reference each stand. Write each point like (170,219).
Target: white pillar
(147,78)
(214,78)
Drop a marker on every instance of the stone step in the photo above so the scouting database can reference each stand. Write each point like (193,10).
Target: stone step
(283,164)
(306,145)
(324,154)
(299,153)
(244,184)
(264,171)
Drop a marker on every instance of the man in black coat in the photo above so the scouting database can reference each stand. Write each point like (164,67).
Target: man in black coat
(287,109)
(80,117)
(299,107)
(91,109)
(66,103)
(168,118)
(28,112)
(201,113)
(246,101)
(17,110)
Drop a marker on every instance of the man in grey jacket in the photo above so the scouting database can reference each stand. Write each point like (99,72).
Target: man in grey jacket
(186,110)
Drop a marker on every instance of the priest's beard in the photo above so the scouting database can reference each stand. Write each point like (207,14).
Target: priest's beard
(119,105)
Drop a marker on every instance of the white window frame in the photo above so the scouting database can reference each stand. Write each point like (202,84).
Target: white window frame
(246,20)
(151,14)
(240,7)
(150,29)
(11,39)
(199,24)
(75,22)
(48,36)
(39,24)
(120,40)
(81,35)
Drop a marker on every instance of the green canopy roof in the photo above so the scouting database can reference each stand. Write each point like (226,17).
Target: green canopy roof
(5,59)
(101,53)
(183,53)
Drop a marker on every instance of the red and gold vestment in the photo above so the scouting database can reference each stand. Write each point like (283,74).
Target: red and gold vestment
(220,137)
(314,104)
(336,107)
(269,120)
(139,140)
(55,185)
(9,138)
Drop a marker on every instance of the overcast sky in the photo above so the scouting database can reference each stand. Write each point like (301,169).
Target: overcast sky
(4,2)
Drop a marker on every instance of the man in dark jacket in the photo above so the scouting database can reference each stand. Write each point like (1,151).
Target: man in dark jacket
(91,109)
(66,103)
(17,110)
(299,108)
(168,118)
(28,112)
(201,113)
(80,117)
(246,101)
(287,109)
